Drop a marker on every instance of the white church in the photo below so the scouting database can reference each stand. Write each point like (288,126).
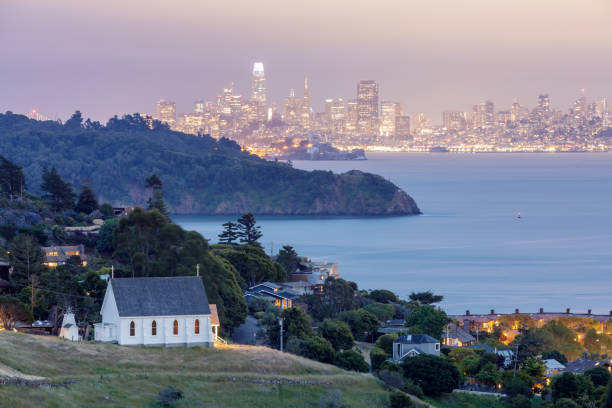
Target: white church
(172,311)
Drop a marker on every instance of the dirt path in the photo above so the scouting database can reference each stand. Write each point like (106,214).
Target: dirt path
(6,371)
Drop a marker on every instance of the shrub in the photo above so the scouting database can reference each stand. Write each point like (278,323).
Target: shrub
(433,374)
(411,388)
(520,401)
(518,385)
(400,400)
(338,333)
(392,379)
(168,396)
(377,357)
(566,403)
(385,342)
(599,375)
(317,348)
(390,366)
(351,360)
(296,346)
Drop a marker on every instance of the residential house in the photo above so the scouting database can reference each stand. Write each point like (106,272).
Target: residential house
(553,367)
(457,336)
(58,255)
(394,326)
(506,354)
(310,276)
(271,292)
(171,311)
(411,345)
(581,365)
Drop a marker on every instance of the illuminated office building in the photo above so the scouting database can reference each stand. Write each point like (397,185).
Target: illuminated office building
(367,108)
(389,111)
(454,120)
(258,88)
(166,112)
(291,111)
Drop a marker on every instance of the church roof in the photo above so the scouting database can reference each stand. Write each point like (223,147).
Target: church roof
(172,296)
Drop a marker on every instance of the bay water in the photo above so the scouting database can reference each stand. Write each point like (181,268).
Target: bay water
(469,245)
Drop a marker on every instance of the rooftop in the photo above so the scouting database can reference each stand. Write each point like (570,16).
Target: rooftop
(173,296)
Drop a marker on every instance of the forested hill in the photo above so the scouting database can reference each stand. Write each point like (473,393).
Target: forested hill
(200,175)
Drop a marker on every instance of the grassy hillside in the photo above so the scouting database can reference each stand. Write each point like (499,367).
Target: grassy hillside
(200,175)
(116,376)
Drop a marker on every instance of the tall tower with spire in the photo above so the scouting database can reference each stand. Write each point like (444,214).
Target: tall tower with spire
(306,110)
(258,88)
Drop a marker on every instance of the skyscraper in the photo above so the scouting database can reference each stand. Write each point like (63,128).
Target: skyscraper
(402,128)
(291,111)
(388,112)
(352,117)
(335,114)
(305,109)
(454,120)
(483,114)
(258,88)
(367,107)
(166,112)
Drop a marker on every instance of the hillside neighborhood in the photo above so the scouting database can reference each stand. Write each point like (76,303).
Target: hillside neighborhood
(86,273)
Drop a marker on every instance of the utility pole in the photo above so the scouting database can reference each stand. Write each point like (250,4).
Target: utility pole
(197,269)
(281,333)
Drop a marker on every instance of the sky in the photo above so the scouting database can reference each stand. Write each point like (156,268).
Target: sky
(115,57)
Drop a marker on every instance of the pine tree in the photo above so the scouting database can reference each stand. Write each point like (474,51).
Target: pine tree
(87,201)
(156,201)
(58,192)
(248,232)
(229,234)
(12,179)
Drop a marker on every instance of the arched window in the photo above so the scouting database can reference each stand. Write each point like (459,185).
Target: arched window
(132,329)
(154,328)
(175,328)
(197,326)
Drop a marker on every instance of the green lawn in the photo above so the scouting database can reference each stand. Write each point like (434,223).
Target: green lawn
(116,376)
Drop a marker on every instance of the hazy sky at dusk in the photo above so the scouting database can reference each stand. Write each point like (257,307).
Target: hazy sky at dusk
(114,56)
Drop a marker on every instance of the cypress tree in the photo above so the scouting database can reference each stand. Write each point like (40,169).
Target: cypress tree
(87,201)
(59,193)
(248,232)
(229,234)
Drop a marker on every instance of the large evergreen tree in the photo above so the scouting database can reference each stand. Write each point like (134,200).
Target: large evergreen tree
(156,201)
(12,179)
(229,234)
(59,193)
(248,232)
(288,258)
(87,201)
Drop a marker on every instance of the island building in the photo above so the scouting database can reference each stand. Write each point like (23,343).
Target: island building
(170,311)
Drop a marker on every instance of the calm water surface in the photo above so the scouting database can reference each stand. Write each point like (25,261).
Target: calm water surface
(469,244)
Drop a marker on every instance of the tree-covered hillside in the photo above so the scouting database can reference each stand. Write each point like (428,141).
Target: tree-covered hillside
(200,174)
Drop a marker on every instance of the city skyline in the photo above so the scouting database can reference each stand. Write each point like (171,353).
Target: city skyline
(429,56)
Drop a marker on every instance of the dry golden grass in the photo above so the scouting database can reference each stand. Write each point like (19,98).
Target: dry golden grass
(232,376)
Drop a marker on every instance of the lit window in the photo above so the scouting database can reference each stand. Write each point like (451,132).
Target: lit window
(132,329)
(175,328)
(197,326)
(154,328)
